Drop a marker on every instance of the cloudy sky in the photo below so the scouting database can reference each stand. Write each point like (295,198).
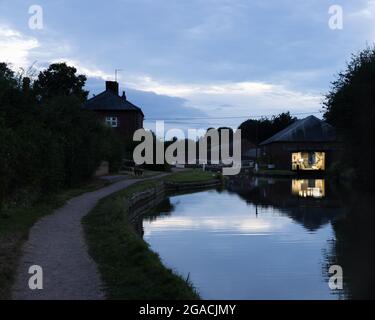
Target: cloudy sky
(197,59)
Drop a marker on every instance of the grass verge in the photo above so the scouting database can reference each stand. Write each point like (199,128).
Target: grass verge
(129,268)
(15,224)
(194,175)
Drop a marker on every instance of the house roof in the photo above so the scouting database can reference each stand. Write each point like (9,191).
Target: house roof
(110,101)
(310,129)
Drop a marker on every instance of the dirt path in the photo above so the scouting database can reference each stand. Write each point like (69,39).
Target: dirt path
(57,244)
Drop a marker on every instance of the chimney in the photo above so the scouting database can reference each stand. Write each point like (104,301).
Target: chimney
(112,86)
(124,95)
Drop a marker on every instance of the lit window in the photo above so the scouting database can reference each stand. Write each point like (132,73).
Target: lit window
(112,122)
(308,161)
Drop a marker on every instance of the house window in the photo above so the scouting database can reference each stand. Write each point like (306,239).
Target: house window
(308,161)
(112,122)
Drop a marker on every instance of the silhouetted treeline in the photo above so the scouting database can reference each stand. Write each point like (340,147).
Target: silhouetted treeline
(256,131)
(350,107)
(47,141)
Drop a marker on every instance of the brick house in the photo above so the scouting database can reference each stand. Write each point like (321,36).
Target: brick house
(116,111)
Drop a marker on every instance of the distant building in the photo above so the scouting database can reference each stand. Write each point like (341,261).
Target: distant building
(309,144)
(116,111)
(249,157)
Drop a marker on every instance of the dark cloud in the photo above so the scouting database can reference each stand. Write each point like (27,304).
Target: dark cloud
(154,106)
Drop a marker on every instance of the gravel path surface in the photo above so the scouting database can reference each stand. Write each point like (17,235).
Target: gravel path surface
(57,244)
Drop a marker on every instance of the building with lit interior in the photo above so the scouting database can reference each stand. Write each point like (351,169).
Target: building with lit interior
(309,145)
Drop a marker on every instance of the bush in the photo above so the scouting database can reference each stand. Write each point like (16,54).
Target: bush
(49,144)
(350,108)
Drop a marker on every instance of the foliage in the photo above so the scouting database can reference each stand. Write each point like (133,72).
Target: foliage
(256,131)
(60,79)
(350,108)
(48,144)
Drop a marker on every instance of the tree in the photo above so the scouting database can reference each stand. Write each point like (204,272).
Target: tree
(349,107)
(83,140)
(50,142)
(60,80)
(8,86)
(257,131)
(6,76)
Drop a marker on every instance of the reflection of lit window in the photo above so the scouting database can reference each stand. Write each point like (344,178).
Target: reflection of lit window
(308,188)
(308,161)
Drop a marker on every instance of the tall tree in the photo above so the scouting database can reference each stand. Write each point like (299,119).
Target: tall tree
(350,107)
(60,80)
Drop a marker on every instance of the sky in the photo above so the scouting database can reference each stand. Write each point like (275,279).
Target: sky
(195,63)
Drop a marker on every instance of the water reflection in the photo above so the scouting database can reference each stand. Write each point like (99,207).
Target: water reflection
(310,202)
(163,208)
(258,239)
(304,188)
(354,248)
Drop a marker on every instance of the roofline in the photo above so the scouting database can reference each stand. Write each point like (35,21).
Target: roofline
(295,125)
(121,110)
(303,141)
(136,108)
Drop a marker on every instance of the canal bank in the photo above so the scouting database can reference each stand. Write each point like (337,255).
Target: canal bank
(128,267)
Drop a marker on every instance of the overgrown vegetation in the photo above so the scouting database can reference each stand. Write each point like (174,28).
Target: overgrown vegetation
(350,108)
(48,145)
(47,141)
(129,269)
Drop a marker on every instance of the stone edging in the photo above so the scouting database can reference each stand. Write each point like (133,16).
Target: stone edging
(177,186)
(143,201)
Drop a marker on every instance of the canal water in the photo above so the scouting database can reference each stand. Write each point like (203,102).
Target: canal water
(256,239)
